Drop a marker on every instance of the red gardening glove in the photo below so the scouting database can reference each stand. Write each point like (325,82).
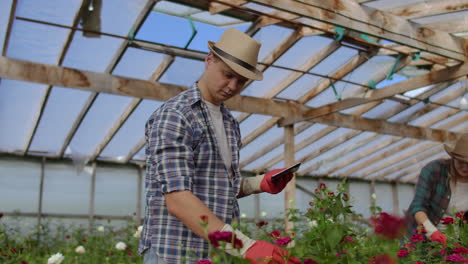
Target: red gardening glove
(262,252)
(268,186)
(439,237)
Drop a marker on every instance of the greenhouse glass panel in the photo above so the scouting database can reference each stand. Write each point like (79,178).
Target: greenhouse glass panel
(300,87)
(247,206)
(253,122)
(61,110)
(360,198)
(184,72)
(126,12)
(65,190)
(334,61)
(16,120)
(138,63)
(260,162)
(46,10)
(102,115)
(302,51)
(165,29)
(36,42)
(271,78)
(91,54)
(131,131)
(384,197)
(5,7)
(405,196)
(116,189)
(270,37)
(19,185)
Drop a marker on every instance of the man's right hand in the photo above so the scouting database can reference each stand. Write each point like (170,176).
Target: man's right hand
(439,237)
(263,252)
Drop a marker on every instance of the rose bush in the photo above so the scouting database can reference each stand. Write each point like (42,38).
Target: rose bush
(328,231)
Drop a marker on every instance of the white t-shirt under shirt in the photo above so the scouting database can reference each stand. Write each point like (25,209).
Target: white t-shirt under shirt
(217,120)
(459,199)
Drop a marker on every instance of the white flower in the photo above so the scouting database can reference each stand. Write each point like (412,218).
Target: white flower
(138,232)
(80,250)
(264,214)
(292,203)
(55,259)
(373,196)
(313,223)
(330,220)
(243,216)
(120,246)
(100,229)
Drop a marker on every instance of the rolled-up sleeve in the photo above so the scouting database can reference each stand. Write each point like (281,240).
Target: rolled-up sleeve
(422,197)
(170,151)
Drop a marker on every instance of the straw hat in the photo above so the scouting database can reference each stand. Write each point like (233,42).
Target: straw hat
(460,150)
(239,51)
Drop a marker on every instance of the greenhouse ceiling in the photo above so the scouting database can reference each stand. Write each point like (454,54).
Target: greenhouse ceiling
(357,89)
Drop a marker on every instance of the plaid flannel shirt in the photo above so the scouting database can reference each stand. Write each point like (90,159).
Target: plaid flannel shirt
(182,154)
(432,192)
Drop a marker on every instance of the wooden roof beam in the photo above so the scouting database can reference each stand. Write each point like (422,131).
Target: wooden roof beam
(350,15)
(429,8)
(387,91)
(102,82)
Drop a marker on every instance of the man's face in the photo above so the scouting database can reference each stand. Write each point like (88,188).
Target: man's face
(222,82)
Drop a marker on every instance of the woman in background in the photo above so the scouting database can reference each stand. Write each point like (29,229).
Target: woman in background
(442,188)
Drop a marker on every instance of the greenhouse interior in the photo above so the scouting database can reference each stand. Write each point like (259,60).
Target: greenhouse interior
(363,93)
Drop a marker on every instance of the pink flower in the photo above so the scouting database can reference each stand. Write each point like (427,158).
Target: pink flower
(331,194)
(415,238)
(402,253)
(456,258)
(345,197)
(282,241)
(419,262)
(204,261)
(348,239)
(447,220)
(389,226)
(409,246)
(225,236)
(460,250)
(310,261)
(275,233)
(323,186)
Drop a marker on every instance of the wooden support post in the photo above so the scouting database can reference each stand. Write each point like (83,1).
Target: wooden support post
(91,198)
(41,195)
(290,190)
(257,207)
(372,194)
(396,207)
(139,194)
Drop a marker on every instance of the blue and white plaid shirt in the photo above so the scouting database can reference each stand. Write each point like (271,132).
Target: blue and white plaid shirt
(182,154)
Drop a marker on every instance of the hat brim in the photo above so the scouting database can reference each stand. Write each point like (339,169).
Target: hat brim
(449,150)
(257,76)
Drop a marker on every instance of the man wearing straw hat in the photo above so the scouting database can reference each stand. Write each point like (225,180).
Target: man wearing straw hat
(442,189)
(192,173)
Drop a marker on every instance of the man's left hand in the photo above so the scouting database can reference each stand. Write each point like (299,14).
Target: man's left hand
(267,184)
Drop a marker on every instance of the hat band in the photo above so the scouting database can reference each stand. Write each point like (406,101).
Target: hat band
(457,156)
(234,59)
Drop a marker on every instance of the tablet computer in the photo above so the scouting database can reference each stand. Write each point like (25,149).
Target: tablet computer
(275,178)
